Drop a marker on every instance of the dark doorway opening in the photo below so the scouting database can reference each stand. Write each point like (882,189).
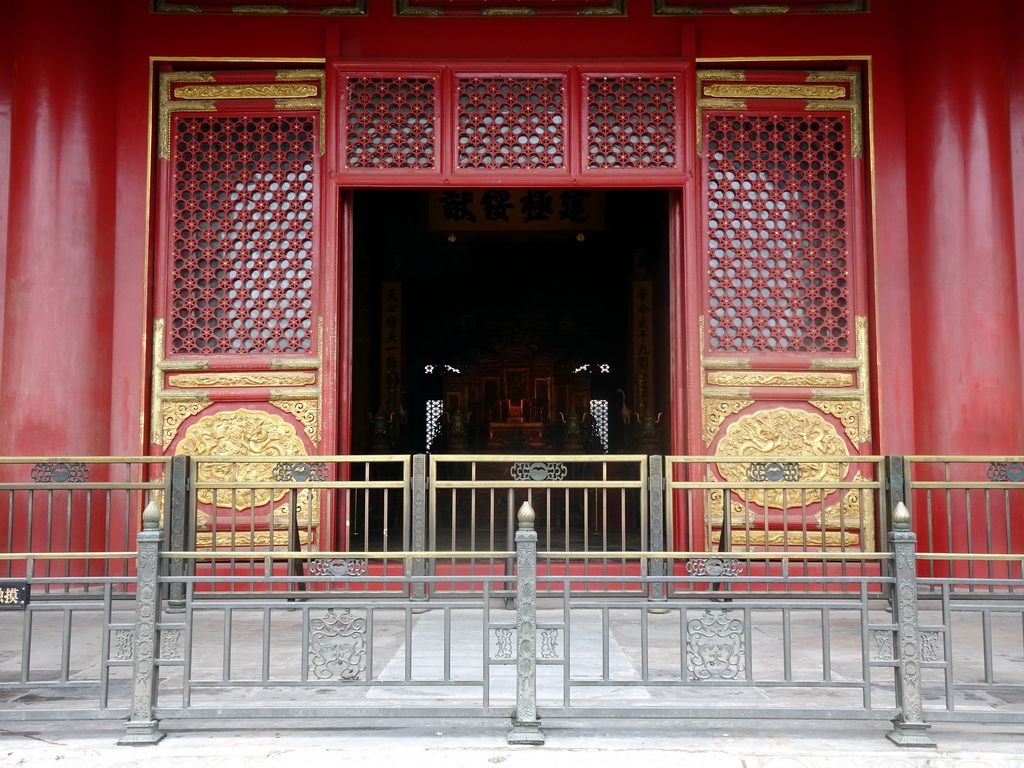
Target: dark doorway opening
(559,292)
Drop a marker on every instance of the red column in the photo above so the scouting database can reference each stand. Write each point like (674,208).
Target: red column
(57,316)
(966,342)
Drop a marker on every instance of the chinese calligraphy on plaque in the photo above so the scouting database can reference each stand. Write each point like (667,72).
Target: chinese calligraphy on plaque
(495,209)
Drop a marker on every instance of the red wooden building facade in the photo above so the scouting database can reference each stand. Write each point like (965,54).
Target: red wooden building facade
(215,221)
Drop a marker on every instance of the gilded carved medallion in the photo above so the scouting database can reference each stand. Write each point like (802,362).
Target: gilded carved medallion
(783,432)
(240,433)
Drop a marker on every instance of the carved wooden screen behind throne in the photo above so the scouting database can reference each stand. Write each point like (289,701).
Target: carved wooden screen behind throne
(515,393)
(237,363)
(783,325)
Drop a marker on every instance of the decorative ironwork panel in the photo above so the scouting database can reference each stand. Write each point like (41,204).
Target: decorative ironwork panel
(778,235)
(773,472)
(715,646)
(301,472)
(714,567)
(389,122)
(883,649)
(511,122)
(337,646)
(122,644)
(338,567)
(631,122)
(243,234)
(503,642)
(170,644)
(1006,472)
(538,471)
(60,473)
(552,644)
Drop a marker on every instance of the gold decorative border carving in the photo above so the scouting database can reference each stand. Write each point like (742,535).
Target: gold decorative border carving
(247,540)
(198,97)
(167,107)
(801,539)
(780,379)
(247,91)
(848,413)
(773,91)
(698,8)
(716,411)
(358,8)
(307,412)
(173,413)
(758,10)
(732,96)
(440,8)
(272,379)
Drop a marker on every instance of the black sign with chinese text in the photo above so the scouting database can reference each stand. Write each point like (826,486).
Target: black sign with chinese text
(520,209)
(13,595)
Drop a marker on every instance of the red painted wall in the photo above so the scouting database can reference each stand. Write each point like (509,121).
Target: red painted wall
(76,299)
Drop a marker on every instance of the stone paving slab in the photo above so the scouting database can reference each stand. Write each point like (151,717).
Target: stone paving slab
(441,744)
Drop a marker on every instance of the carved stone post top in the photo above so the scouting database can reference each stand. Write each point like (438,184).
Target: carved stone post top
(526,516)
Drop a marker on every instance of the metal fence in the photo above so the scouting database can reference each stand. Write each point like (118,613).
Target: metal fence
(970,509)
(585,505)
(87,506)
(162,631)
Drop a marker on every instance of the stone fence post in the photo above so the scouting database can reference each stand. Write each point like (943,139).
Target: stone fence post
(141,727)
(525,723)
(909,728)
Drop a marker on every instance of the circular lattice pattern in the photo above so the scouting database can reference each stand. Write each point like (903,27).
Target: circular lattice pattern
(778,240)
(783,432)
(631,122)
(511,123)
(390,123)
(242,275)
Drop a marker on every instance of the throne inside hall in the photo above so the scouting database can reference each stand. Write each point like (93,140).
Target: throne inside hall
(515,394)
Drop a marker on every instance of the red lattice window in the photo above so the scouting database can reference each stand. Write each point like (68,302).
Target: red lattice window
(243,224)
(511,122)
(631,122)
(778,241)
(390,123)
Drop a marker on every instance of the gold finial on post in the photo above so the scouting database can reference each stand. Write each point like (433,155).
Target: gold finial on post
(526,515)
(151,517)
(901,517)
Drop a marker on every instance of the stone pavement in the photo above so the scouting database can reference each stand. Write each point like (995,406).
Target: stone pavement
(442,744)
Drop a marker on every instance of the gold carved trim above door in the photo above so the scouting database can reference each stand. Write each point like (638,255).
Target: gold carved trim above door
(780,379)
(270,379)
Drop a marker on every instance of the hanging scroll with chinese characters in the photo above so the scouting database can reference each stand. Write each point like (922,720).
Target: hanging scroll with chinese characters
(643,342)
(390,346)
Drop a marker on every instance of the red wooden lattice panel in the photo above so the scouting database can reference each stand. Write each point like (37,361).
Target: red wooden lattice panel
(390,122)
(479,122)
(243,253)
(778,240)
(631,122)
(511,122)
